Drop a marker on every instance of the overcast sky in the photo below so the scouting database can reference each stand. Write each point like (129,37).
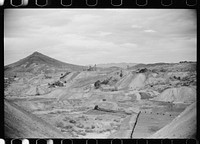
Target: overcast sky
(85,36)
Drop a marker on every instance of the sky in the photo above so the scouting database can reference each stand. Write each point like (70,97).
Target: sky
(93,36)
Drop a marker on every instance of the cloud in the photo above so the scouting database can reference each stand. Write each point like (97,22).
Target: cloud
(101,33)
(149,31)
(129,45)
(83,36)
(136,26)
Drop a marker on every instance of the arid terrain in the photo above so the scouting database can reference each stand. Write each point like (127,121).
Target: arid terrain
(44,98)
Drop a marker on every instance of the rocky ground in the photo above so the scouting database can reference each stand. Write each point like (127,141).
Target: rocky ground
(103,103)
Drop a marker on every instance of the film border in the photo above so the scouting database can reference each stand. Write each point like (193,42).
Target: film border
(190,4)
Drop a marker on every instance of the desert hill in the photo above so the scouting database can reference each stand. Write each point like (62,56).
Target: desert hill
(37,63)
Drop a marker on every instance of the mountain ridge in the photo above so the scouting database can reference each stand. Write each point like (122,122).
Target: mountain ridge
(120,65)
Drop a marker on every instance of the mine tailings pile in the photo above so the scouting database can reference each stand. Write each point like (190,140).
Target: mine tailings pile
(182,94)
(132,81)
(183,126)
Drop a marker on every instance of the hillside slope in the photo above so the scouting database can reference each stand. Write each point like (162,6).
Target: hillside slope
(183,126)
(21,124)
(181,94)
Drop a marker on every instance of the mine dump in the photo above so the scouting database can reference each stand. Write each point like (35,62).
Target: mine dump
(44,97)
(100,73)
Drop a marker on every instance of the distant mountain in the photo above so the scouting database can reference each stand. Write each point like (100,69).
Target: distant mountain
(185,66)
(37,63)
(141,65)
(120,65)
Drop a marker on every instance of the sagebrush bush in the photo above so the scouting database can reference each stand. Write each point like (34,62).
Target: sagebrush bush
(59,124)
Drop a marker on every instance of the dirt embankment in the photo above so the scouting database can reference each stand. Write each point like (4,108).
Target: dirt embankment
(21,124)
(183,126)
(182,94)
(138,82)
(132,81)
(125,81)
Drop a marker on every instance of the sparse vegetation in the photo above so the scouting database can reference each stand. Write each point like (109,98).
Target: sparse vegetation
(66,119)
(89,130)
(115,88)
(47,77)
(78,109)
(72,121)
(68,127)
(56,84)
(116,120)
(60,124)
(79,125)
(80,132)
(105,81)
(97,84)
